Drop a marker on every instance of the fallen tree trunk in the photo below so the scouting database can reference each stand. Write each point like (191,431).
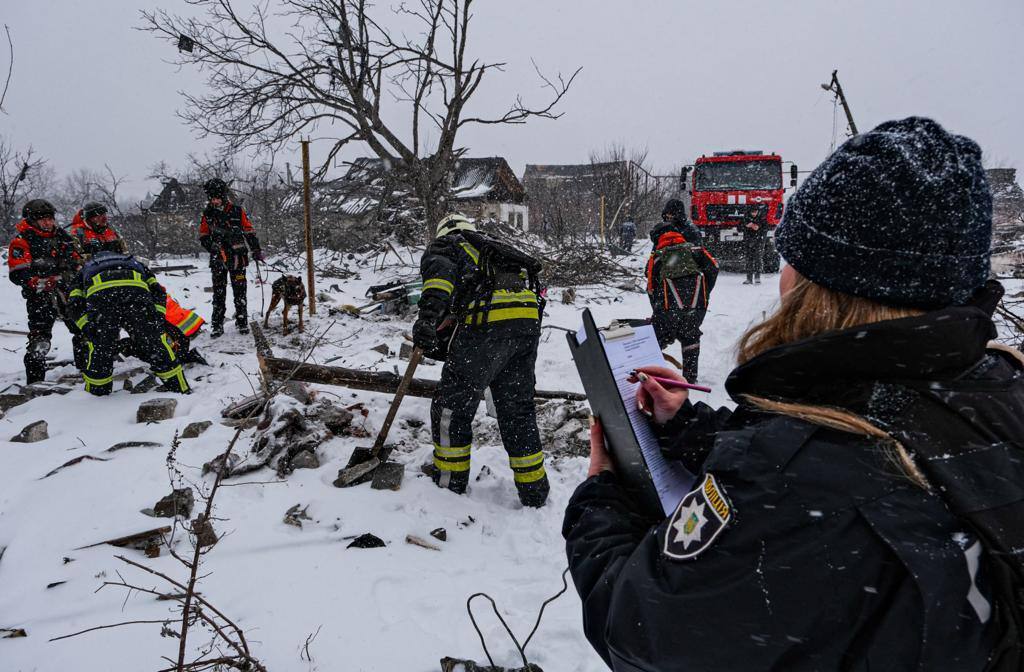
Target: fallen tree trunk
(375,381)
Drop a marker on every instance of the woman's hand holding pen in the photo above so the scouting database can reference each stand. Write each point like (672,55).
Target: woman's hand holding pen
(656,401)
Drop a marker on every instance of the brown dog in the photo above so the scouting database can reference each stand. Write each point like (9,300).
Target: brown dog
(290,289)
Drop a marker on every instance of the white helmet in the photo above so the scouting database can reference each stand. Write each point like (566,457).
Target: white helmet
(454,222)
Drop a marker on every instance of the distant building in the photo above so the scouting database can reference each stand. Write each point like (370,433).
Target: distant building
(568,197)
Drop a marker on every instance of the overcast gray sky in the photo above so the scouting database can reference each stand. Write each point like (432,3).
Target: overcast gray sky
(678,77)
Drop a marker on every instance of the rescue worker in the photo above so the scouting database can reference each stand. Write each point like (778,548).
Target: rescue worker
(40,259)
(494,346)
(755,234)
(91,229)
(627,234)
(227,234)
(114,292)
(813,540)
(680,276)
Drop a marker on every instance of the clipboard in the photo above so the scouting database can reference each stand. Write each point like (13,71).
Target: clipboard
(606,403)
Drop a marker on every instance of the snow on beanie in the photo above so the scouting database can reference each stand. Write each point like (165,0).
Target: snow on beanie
(901,215)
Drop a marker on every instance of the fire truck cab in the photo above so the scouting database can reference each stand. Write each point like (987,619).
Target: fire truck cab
(730,189)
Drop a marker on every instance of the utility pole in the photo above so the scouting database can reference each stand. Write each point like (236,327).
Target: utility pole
(602,219)
(837,89)
(309,230)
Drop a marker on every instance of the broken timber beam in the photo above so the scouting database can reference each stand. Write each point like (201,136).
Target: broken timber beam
(374,381)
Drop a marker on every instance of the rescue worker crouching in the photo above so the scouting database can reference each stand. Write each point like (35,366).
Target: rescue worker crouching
(182,325)
(40,259)
(115,292)
(91,230)
(494,345)
(227,234)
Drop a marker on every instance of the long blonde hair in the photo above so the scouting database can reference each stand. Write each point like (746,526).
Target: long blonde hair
(809,309)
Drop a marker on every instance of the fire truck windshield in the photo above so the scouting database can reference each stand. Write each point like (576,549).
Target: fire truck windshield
(725,175)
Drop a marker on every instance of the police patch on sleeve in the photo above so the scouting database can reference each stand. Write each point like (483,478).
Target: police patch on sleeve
(17,253)
(698,520)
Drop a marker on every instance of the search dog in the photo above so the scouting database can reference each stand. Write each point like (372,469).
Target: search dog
(287,288)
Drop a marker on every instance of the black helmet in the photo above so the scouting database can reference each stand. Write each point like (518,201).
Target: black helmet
(216,188)
(93,209)
(37,209)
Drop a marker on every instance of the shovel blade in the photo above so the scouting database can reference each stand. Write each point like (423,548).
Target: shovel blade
(359,469)
(388,476)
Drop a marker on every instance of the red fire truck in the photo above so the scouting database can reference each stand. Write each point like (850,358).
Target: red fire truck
(730,189)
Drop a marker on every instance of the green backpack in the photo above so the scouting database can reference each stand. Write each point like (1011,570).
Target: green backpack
(676,261)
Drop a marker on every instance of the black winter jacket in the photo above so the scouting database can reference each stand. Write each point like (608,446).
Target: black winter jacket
(801,547)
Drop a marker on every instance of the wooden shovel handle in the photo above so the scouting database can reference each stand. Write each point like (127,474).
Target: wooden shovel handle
(403,387)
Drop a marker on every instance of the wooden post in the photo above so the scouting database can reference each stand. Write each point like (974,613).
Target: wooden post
(311,287)
(602,219)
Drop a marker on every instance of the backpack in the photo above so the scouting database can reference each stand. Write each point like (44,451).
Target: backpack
(499,266)
(972,453)
(676,261)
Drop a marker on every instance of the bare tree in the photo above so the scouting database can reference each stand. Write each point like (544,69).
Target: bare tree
(22,173)
(337,63)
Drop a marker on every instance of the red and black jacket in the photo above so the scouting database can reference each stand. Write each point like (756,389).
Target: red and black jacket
(226,233)
(92,241)
(682,294)
(34,254)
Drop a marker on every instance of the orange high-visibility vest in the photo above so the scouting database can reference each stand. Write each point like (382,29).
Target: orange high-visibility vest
(187,321)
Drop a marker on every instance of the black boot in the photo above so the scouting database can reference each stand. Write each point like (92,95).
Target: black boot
(242,326)
(456,481)
(534,494)
(216,331)
(691,357)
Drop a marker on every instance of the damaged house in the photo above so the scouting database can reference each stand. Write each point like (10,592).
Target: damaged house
(369,192)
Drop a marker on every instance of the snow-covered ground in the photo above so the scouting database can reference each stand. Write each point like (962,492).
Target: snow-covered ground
(396,608)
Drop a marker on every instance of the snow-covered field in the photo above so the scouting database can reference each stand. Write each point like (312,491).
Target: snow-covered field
(396,608)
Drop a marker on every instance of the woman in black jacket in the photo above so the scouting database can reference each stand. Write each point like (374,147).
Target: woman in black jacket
(812,540)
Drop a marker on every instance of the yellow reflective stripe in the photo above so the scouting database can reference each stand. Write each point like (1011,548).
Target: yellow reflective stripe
(160,309)
(175,373)
(451,451)
(505,297)
(189,324)
(472,252)
(530,476)
(499,314)
(88,361)
(76,293)
(167,346)
(109,284)
(169,374)
(527,461)
(451,466)
(151,281)
(80,322)
(97,381)
(439,283)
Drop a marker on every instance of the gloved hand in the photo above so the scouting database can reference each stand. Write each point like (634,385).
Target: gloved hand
(258,255)
(47,284)
(424,334)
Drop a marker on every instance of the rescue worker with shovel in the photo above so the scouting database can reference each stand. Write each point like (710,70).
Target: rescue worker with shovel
(478,287)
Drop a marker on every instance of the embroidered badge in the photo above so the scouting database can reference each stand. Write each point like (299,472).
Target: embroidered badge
(700,517)
(17,253)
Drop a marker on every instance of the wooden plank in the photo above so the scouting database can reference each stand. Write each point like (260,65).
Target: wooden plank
(374,381)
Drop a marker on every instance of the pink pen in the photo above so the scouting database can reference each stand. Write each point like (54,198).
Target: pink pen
(669,382)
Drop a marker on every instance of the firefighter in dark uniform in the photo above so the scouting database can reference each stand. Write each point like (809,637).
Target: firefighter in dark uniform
(115,292)
(227,234)
(815,536)
(494,346)
(755,235)
(91,229)
(41,258)
(680,276)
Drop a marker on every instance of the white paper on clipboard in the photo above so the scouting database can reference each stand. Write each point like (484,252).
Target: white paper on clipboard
(671,480)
